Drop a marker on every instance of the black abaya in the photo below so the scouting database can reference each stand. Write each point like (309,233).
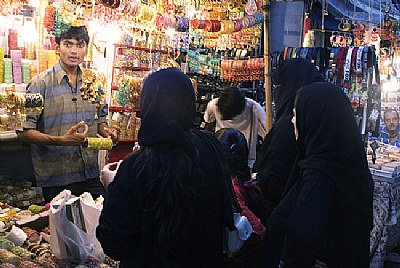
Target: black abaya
(169,202)
(278,153)
(327,215)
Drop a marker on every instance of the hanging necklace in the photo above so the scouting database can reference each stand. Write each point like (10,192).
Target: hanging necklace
(74,91)
(74,98)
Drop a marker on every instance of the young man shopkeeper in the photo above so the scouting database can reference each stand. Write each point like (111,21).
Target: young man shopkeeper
(58,133)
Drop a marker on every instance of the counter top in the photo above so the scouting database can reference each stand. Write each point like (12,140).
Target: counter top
(9,141)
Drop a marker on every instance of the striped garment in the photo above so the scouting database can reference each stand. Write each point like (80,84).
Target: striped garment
(63,108)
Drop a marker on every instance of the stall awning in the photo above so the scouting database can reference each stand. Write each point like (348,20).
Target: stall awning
(330,22)
(363,11)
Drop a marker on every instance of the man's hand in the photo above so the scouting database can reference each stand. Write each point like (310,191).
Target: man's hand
(74,138)
(107,132)
(113,134)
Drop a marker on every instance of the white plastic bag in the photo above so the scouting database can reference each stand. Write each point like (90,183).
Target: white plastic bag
(73,223)
(108,173)
(234,240)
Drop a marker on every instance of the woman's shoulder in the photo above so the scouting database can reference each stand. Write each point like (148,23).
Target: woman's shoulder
(127,166)
(203,135)
(131,158)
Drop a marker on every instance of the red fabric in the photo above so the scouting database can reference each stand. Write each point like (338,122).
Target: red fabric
(249,255)
(340,61)
(307,25)
(258,227)
(354,57)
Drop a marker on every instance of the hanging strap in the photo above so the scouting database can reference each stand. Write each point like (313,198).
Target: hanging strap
(353,58)
(333,65)
(359,59)
(309,54)
(347,66)
(285,53)
(318,58)
(365,64)
(304,52)
(252,144)
(314,55)
(296,52)
(340,61)
(323,59)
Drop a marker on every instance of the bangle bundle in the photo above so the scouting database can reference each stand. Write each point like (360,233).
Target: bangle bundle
(99,143)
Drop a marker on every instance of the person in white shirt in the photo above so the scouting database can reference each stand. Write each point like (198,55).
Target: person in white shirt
(233,110)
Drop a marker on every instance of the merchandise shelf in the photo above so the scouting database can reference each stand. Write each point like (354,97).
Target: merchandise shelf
(122,109)
(132,68)
(142,48)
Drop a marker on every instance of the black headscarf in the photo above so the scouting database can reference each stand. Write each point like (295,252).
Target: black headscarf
(327,130)
(329,141)
(278,152)
(236,152)
(290,76)
(166,114)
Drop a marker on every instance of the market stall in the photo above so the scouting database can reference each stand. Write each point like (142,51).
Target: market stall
(385,172)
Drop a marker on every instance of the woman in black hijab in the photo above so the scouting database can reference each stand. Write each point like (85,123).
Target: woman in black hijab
(169,201)
(278,152)
(327,215)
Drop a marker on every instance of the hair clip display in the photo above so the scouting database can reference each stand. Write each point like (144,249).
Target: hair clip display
(93,85)
(60,25)
(129,91)
(344,25)
(16,106)
(341,39)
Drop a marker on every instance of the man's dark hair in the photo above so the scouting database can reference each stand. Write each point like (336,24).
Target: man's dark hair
(389,111)
(75,32)
(231,103)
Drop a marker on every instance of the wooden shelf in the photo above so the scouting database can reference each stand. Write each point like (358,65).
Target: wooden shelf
(128,140)
(142,48)
(122,109)
(132,68)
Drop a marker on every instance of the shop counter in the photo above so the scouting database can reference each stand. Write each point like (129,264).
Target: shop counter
(15,158)
(386,230)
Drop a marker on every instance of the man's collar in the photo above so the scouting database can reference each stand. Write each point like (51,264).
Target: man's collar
(386,131)
(60,73)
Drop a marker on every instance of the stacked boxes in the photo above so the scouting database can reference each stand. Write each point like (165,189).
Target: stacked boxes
(16,59)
